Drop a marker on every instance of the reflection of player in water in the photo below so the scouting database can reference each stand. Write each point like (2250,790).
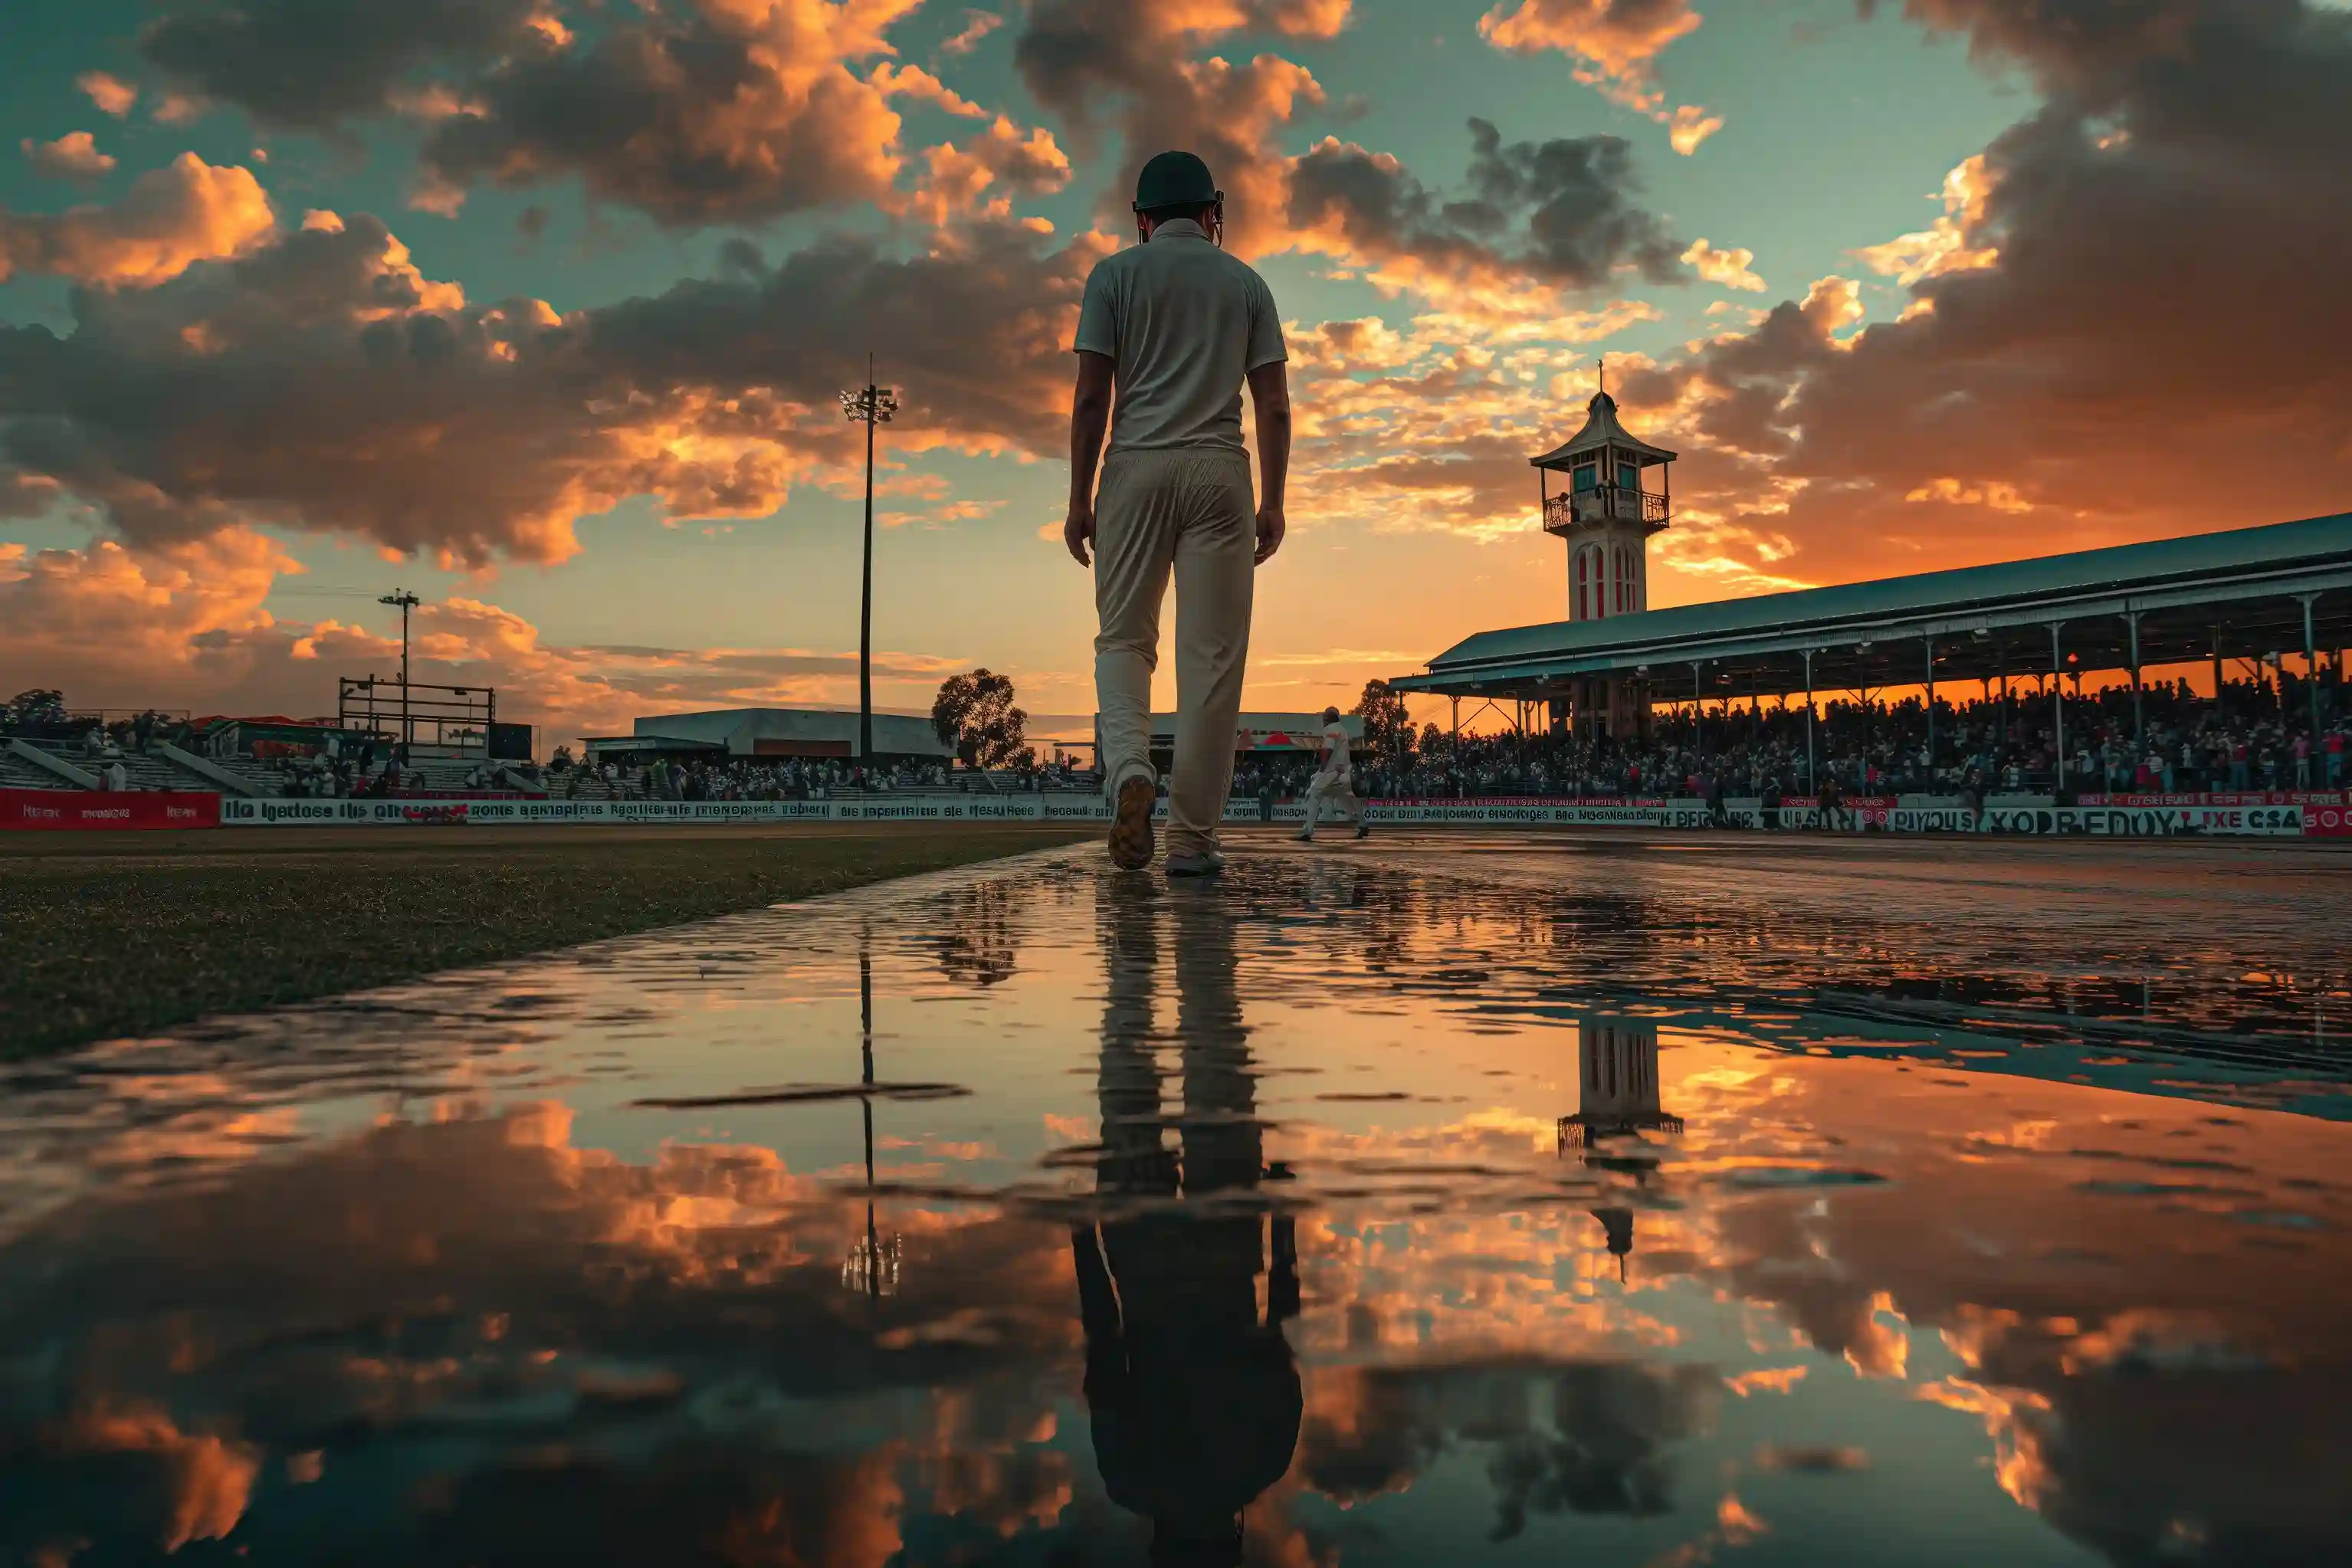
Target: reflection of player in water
(1194,1398)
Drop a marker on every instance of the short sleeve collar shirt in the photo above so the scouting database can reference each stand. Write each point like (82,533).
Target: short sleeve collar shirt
(1185,323)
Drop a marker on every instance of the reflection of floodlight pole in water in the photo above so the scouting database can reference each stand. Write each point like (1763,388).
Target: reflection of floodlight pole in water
(872,1265)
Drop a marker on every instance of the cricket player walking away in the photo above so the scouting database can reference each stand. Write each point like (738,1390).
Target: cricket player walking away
(1335,779)
(1174,326)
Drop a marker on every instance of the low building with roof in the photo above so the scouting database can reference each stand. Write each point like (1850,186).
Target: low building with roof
(771,734)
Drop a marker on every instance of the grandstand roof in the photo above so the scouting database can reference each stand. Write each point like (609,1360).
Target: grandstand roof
(2245,584)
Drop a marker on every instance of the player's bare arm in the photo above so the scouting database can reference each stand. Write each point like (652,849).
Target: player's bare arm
(1089,420)
(1269,386)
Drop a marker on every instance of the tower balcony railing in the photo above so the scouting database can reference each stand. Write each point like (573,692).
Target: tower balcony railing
(1565,514)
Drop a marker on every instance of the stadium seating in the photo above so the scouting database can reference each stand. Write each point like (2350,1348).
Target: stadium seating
(263,780)
(15,773)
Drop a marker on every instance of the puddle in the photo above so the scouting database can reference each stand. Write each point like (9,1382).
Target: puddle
(1672,1212)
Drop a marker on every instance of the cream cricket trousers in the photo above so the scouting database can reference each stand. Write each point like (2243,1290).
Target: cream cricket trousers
(1335,788)
(1189,512)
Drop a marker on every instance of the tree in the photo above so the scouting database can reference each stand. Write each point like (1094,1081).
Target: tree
(1433,740)
(975,713)
(38,708)
(1388,728)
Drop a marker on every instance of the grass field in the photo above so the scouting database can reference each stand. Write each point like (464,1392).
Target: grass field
(108,934)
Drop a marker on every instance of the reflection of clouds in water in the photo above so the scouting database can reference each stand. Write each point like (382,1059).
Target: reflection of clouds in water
(2141,1303)
(490,1274)
(692,1500)
(1579,1439)
(202,1480)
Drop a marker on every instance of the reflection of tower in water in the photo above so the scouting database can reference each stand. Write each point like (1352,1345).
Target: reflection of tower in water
(1617,1102)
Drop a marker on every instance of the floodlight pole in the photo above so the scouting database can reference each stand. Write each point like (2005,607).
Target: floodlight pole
(2310,657)
(407,602)
(869,406)
(1931,712)
(2139,717)
(2058,699)
(1812,782)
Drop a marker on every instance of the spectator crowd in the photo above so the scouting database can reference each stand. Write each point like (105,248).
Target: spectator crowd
(2178,742)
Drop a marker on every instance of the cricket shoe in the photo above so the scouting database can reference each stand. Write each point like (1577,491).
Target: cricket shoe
(1130,828)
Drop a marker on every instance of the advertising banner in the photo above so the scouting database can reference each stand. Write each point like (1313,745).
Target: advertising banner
(2148,821)
(97,811)
(2275,797)
(2328,821)
(2218,817)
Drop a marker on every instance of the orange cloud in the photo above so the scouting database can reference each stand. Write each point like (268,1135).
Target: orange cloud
(1616,44)
(207,1480)
(176,613)
(169,219)
(715,111)
(1950,246)
(915,82)
(1136,59)
(72,156)
(111,94)
(323,383)
(978,177)
(186,623)
(1773,1380)
(1731,269)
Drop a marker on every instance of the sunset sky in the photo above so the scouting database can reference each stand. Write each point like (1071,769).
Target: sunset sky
(539,307)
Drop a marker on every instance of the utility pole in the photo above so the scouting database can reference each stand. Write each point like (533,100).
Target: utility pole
(869,406)
(407,602)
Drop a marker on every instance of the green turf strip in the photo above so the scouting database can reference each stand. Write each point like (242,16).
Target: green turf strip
(108,935)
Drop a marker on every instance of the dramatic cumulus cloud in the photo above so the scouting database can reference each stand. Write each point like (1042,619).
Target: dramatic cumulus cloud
(1136,65)
(1616,44)
(316,64)
(169,219)
(694,111)
(2091,320)
(72,156)
(1561,213)
(322,383)
(981,175)
(717,110)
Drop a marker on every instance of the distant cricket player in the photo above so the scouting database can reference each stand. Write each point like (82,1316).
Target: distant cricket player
(1334,781)
(1175,326)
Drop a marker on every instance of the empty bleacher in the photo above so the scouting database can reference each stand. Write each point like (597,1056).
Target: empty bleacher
(15,773)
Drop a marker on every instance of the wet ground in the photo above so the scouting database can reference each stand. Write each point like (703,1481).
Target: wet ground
(1442,1200)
